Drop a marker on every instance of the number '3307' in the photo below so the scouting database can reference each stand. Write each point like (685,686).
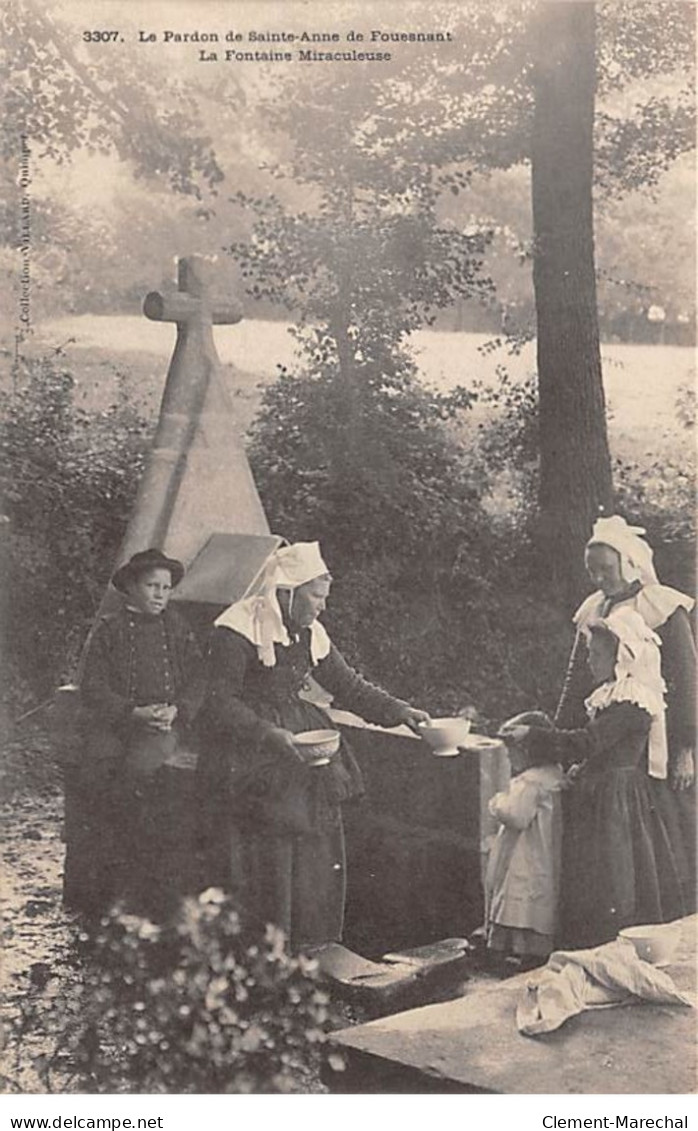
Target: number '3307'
(100,36)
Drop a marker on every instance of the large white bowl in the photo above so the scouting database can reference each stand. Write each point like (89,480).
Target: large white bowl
(316,747)
(656,942)
(444,736)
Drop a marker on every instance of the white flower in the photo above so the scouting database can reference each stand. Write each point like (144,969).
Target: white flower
(212,895)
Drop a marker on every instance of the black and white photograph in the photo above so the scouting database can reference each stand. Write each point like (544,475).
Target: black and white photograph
(347,420)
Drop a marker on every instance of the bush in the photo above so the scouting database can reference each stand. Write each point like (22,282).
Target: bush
(428,521)
(397,503)
(436,573)
(69,480)
(196,1006)
(660,496)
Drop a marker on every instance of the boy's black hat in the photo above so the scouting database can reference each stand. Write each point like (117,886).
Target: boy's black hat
(141,563)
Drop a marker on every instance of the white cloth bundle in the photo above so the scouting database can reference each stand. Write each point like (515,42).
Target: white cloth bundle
(576,980)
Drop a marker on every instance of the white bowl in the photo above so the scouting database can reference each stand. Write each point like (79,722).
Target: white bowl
(656,943)
(444,736)
(316,747)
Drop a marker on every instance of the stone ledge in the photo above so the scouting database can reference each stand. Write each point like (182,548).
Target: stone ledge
(399,980)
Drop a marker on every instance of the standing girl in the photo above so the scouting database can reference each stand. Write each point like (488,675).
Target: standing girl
(523,874)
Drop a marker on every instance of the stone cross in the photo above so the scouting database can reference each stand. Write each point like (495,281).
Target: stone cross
(191,308)
(197,480)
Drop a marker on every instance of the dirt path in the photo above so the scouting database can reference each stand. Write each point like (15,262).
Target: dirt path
(40,940)
(40,943)
(37,935)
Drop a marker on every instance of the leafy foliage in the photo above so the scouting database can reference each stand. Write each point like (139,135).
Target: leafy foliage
(413,522)
(660,494)
(445,117)
(62,103)
(352,448)
(376,227)
(68,482)
(368,260)
(439,589)
(200,1005)
(422,532)
(646,79)
(59,106)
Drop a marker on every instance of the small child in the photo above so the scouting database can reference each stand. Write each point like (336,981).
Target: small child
(523,873)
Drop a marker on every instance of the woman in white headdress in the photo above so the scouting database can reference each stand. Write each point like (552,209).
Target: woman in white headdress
(619,867)
(282,817)
(620,562)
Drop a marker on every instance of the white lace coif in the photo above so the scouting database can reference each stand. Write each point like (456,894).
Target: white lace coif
(655,602)
(258,617)
(636,557)
(637,679)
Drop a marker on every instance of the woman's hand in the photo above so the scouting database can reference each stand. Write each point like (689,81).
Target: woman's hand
(683,771)
(156,716)
(280,741)
(413,717)
(573,774)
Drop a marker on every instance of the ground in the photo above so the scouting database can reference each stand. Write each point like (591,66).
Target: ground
(41,943)
(37,935)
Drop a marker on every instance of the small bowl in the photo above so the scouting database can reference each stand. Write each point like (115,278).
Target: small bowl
(317,747)
(656,943)
(444,736)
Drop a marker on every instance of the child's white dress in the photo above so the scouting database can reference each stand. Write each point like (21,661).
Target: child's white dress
(523,874)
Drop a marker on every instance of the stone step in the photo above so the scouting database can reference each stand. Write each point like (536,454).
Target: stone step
(399,980)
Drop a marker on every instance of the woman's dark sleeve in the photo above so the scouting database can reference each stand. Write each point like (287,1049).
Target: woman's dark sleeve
(354,693)
(591,742)
(679,671)
(226,712)
(97,684)
(193,674)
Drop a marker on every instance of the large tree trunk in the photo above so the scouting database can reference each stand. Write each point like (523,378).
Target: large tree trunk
(575,474)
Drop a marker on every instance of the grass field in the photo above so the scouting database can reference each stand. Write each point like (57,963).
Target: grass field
(642,382)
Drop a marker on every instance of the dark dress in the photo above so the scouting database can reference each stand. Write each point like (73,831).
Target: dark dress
(278,838)
(678,651)
(129,824)
(619,868)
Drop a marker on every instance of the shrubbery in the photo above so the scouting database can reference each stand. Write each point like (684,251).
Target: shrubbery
(196,1006)
(427,521)
(432,534)
(435,584)
(660,495)
(69,479)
